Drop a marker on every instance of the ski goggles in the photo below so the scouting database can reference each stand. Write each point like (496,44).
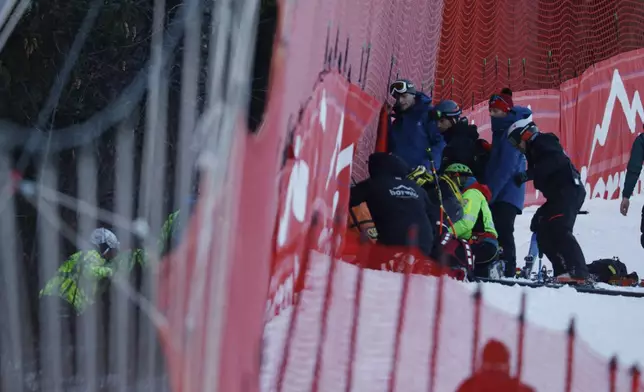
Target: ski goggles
(436,115)
(524,135)
(497,102)
(400,87)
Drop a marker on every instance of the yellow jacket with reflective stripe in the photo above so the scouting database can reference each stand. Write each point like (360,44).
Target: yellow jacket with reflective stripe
(477,217)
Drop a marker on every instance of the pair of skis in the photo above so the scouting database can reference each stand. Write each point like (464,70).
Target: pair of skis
(528,276)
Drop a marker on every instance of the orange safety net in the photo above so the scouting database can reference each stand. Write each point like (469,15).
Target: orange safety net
(529,44)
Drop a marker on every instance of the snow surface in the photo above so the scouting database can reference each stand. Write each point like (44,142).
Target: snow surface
(606,325)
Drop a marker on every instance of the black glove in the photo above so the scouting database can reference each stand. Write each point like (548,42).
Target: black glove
(520,178)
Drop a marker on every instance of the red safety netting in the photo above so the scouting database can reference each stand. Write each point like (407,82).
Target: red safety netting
(369,41)
(529,44)
(362,329)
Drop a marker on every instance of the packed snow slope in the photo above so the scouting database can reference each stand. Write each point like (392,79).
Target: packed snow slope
(611,325)
(606,325)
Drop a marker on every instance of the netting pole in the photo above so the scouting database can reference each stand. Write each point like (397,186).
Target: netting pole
(451,89)
(496,67)
(346,56)
(391,69)
(324,320)
(523,69)
(361,65)
(297,297)
(483,77)
(477,323)
(509,73)
(617,40)
(325,61)
(337,42)
(413,242)
(612,374)
(570,355)
(364,244)
(521,335)
(635,379)
(548,60)
(366,67)
(436,331)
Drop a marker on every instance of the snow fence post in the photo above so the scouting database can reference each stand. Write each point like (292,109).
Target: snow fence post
(477,321)
(570,355)
(521,335)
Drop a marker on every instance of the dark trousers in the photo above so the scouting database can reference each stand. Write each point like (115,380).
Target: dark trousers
(484,254)
(504,215)
(553,222)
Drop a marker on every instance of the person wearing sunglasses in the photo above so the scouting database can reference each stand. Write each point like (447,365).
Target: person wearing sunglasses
(505,161)
(463,143)
(411,135)
(554,175)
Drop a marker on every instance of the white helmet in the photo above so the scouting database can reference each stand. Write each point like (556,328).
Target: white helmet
(522,130)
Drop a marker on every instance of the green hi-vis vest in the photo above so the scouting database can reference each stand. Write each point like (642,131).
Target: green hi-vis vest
(77,280)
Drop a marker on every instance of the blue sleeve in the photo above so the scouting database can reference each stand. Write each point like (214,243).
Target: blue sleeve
(502,166)
(506,161)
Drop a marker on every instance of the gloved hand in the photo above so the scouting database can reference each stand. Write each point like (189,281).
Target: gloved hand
(520,178)
(421,176)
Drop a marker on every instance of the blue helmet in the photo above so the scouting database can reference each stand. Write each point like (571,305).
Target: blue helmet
(446,109)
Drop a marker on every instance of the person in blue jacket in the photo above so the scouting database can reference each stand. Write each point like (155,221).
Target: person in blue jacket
(412,136)
(505,162)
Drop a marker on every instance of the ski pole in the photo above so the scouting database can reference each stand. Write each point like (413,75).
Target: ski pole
(440,200)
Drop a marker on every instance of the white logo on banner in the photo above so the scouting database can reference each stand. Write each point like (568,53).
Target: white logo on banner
(631,110)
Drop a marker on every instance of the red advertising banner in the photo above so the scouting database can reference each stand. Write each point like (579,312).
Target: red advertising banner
(596,116)
(317,178)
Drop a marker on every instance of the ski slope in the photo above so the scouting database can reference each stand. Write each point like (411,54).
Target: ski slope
(609,325)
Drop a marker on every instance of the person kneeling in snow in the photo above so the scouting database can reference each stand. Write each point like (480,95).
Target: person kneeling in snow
(397,204)
(476,226)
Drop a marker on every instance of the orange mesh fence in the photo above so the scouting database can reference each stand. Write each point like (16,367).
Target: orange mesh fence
(529,44)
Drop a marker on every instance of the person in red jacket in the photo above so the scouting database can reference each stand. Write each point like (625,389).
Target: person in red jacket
(493,374)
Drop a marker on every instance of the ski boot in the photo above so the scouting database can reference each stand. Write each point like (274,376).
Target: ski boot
(497,270)
(526,271)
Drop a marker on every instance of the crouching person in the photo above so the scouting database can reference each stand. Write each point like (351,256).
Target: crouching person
(398,206)
(476,226)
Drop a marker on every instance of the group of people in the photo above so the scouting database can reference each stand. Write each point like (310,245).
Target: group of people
(461,194)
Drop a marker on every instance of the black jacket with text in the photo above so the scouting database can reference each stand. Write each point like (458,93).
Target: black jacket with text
(396,203)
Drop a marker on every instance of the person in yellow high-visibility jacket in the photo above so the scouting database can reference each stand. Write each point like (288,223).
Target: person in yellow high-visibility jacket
(476,225)
(79,279)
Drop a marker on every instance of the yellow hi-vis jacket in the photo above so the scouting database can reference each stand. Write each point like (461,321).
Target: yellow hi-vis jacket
(477,222)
